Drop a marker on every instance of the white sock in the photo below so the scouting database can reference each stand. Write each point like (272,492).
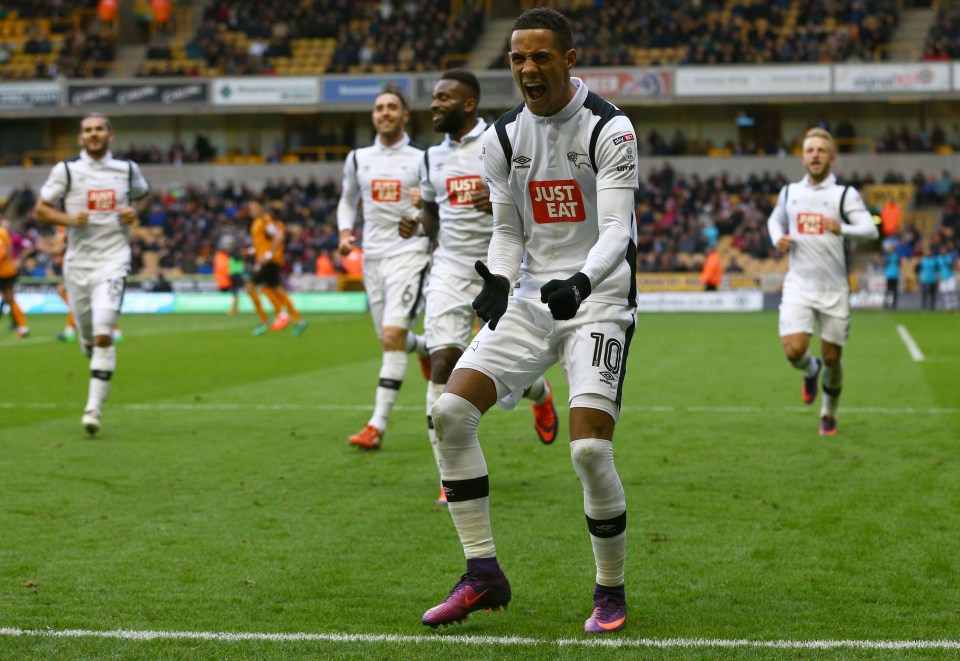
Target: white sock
(464,473)
(416,344)
(392,371)
(605,505)
(538,392)
(808,363)
(434,390)
(103,362)
(832,384)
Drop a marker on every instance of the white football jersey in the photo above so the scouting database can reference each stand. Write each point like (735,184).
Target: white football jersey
(818,263)
(551,169)
(100,188)
(449,173)
(383,177)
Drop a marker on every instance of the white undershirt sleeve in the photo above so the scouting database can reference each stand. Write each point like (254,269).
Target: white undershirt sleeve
(777,222)
(860,225)
(349,196)
(506,244)
(614,215)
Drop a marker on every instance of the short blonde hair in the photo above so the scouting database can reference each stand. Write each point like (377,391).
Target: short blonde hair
(818,132)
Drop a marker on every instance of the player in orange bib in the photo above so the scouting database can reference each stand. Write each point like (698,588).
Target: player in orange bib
(268,235)
(8,278)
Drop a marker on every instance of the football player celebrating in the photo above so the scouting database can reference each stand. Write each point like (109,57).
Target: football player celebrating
(562,170)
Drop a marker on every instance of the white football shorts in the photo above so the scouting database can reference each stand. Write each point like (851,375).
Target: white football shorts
(797,316)
(591,349)
(450,318)
(395,288)
(95,297)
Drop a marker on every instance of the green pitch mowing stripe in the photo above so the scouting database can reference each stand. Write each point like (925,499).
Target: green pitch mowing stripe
(222,496)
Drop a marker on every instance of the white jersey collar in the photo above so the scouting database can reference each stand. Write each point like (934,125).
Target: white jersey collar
(474,133)
(90,160)
(831,180)
(568,110)
(403,142)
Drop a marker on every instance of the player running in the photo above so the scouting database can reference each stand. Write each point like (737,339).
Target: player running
(811,220)
(269,241)
(386,176)
(100,197)
(457,213)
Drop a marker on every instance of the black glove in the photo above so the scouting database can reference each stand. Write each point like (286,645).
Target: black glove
(563,297)
(491,303)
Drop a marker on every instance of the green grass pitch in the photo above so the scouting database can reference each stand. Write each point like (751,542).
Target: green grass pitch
(221,497)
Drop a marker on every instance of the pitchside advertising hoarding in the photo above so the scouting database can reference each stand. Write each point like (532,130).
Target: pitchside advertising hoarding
(29,95)
(266,91)
(130,94)
(906,78)
(167,303)
(786,80)
(639,83)
(362,89)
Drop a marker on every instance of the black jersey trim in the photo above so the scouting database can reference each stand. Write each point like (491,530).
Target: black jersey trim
(605,111)
(627,339)
(69,177)
(501,127)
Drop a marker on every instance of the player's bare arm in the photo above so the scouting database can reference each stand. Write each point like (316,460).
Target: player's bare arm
(47,213)
(408,227)
(130,214)
(481,199)
(832,225)
(784,243)
(415,198)
(346,242)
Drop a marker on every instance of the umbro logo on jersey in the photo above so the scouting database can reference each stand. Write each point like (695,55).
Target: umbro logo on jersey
(522,163)
(608,378)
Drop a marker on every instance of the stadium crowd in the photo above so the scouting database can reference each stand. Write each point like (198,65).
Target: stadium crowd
(680,217)
(247,37)
(943,39)
(52,39)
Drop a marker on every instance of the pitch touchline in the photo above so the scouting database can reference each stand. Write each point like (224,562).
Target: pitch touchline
(174,406)
(911,344)
(661,643)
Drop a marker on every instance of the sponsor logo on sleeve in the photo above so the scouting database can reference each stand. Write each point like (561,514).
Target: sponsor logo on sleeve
(101,200)
(385,190)
(557,202)
(460,190)
(627,144)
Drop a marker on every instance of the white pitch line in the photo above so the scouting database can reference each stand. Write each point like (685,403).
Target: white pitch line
(235,406)
(614,642)
(912,346)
